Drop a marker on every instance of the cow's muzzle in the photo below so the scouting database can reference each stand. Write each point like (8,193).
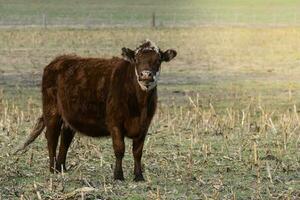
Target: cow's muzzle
(146,76)
(147,79)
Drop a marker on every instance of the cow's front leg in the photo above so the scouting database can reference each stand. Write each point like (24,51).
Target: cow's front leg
(119,149)
(137,150)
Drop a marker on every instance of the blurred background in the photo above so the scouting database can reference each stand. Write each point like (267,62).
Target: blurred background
(93,13)
(227,124)
(227,49)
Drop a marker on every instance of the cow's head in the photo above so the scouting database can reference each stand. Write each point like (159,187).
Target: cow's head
(147,59)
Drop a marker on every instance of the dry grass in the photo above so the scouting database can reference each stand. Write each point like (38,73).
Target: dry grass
(221,64)
(190,152)
(227,125)
(220,49)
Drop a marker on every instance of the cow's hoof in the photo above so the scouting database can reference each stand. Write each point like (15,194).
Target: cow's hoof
(119,176)
(60,168)
(139,178)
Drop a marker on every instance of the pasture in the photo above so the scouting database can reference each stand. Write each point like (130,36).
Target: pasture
(227,126)
(173,13)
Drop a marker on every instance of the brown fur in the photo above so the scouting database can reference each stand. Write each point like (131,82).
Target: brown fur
(98,97)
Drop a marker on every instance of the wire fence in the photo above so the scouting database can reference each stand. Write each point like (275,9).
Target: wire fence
(155,19)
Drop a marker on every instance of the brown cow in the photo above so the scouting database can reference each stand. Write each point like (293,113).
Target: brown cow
(101,97)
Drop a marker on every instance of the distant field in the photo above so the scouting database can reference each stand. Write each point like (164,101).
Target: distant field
(227,126)
(222,65)
(138,13)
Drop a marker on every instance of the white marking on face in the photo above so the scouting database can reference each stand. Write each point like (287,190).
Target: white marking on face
(152,47)
(156,77)
(151,85)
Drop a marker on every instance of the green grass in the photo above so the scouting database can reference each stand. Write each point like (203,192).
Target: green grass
(129,12)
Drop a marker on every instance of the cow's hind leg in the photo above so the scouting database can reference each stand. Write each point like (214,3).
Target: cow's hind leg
(52,133)
(66,137)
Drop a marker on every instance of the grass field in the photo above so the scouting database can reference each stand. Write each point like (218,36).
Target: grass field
(227,126)
(190,153)
(138,13)
(222,65)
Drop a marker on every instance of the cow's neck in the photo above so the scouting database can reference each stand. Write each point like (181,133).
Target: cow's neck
(145,99)
(144,96)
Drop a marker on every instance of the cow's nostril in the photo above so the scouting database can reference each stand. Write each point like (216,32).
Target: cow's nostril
(146,74)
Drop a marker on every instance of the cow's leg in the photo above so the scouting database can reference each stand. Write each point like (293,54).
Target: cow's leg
(66,137)
(137,150)
(52,134)
(119,149)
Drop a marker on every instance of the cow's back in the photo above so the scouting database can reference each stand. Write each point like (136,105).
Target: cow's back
(77,89)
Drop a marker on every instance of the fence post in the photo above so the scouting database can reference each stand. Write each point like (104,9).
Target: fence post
(274,19)
(111,19)
(216,18)
(236,17)
(254,19)
(174,19)
(153,19)
(44,20)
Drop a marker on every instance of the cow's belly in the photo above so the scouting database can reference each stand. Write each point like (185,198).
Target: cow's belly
(87,126)
(85,117)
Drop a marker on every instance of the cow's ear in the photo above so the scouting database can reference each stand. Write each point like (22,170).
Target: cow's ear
(168,55)
(128,54)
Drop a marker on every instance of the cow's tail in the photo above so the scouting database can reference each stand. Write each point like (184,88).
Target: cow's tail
(37,130)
